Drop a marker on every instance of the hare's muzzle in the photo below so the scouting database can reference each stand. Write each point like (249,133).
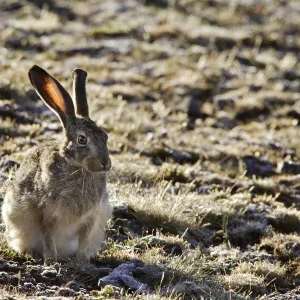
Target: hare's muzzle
(107,165)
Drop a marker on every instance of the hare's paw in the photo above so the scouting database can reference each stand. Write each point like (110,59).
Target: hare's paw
(50,260)
(82,257)
(50,257)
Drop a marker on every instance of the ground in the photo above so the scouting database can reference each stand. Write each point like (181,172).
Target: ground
(200,100)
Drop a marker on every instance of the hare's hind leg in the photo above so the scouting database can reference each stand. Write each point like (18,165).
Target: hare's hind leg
(21,229)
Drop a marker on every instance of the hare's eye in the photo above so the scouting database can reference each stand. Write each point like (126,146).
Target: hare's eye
(82,140)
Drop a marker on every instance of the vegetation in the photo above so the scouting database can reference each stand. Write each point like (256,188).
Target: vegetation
(200,100)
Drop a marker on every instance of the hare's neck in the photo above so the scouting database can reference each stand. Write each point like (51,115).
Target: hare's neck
(93,182)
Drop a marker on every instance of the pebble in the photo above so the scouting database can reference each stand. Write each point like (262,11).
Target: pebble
(41,286)
(27,286)
(256,166)
(49,272)
(3,266)
(12,267)
(4,277)
(65,292)
(289,167)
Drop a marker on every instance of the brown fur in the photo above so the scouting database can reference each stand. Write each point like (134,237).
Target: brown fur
(57,203)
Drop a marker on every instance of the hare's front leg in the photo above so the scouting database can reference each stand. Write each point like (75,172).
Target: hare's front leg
(83,252)
(50,252)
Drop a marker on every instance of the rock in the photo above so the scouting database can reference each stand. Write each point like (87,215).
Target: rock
(54,287)
(225,123)
(223,102)
(83,291)
(4,277)
(122,277)
(3,178)
(3,266)
(173,249)
(294,113)
(289,167)
(7,163)
(41,286)
(292,75)
(258,167)
(184,157)
(252,113)
(34,270)
(158,3)
(195,109)
(48,293)
(49,272)
(14,280)
(28,279)
(65,292)
(204,190)
(27,286)
(74,286)
(12,267)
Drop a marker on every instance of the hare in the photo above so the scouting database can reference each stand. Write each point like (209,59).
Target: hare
(57,204)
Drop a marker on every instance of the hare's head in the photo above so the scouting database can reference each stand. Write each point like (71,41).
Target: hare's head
(85,144)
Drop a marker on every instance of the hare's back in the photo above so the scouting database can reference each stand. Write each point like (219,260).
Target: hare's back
(36,172)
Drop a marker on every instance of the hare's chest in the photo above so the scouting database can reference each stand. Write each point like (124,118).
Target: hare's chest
(79,196)
(78,204)
(73,210)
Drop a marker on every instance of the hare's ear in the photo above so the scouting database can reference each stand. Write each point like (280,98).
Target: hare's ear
(79,93)
(52,93)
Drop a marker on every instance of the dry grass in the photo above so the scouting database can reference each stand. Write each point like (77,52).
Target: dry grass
(201,103)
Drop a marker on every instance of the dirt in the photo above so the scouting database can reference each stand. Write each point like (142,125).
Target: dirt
(201,103)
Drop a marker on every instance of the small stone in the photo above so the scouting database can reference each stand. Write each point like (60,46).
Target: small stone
(73,286)
(35,269)
(41,286)
(224,123)
(29,279)
(7,163)
(14,280)
(40,293)
(204,190)
(184,157)
(225,101)
(3,177)
(12,266)
(83,291)
(3,266)
(54,287)
(173,249)
(49,292)
(256,166)
(195,108)
(65,292)
(4,277)
(289,167)
(49,272)
(27,286)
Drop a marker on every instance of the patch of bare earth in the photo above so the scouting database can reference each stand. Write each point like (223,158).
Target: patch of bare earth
(201,102)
